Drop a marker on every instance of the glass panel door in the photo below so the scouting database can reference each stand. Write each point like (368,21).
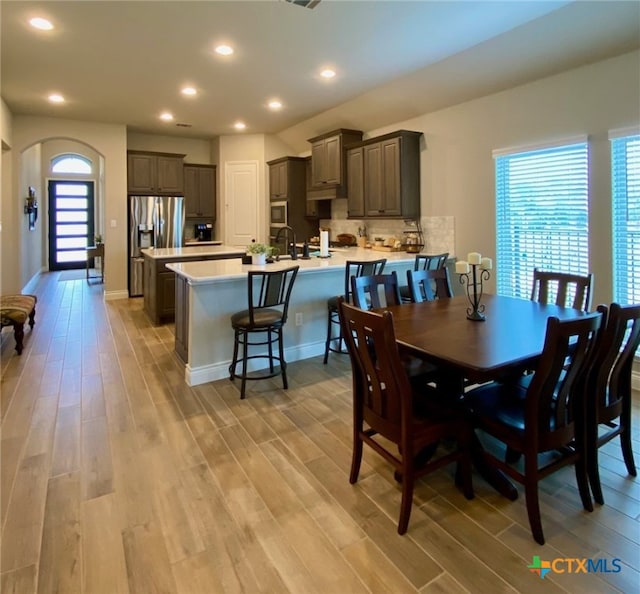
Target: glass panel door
(71,226)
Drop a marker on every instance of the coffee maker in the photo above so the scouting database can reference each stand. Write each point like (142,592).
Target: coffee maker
(203,231)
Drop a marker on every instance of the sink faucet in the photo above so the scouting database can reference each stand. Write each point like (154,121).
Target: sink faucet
(291,244)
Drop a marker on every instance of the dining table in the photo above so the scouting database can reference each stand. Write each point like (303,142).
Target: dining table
(508,341)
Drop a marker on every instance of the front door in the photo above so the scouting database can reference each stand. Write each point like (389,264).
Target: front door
(71,223)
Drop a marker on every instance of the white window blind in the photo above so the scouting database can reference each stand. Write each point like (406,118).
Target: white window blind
(541,215)
(625,162)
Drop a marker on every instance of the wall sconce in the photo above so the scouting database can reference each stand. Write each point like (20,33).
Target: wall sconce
(31,208)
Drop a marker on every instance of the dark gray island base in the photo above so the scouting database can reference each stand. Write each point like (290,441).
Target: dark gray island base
(159,284)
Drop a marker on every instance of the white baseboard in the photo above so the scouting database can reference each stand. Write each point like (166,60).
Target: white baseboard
(113,295)
(209,373)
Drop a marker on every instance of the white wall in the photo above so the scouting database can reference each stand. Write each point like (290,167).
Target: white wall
(9,275)
(196,150)
(457,168)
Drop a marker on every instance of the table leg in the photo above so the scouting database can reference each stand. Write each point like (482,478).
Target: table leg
(450,384)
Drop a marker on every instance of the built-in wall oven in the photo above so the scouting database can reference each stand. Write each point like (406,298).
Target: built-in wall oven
(278,216)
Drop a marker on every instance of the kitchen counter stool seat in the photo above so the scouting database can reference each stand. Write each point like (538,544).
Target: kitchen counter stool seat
(269,294)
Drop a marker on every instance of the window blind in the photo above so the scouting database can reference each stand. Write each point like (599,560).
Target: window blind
(625,174)
(541,215)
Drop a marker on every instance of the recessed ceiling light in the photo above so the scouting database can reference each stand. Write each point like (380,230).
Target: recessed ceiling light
(328,73)
(40,23)
(56,98)
(239,125)
(224,50)
(166,116)
(189,91)
(275,104)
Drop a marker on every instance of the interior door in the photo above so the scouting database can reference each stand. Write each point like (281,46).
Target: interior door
(242,205)
(71,223)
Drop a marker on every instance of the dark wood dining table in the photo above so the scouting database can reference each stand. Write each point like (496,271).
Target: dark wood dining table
(509,340)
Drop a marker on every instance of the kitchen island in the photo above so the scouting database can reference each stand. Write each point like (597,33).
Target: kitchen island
(208,293)
(159,283)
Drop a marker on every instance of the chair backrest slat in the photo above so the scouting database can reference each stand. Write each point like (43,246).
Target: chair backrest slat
(427,285)
(271,289)
(570,290)
(382,391)
(552,397)
(366,290)
(430,261)
(610,379)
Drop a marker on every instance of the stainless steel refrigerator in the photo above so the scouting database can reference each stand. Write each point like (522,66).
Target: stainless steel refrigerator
(154,221)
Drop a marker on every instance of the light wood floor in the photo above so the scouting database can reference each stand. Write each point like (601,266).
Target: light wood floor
(118,477)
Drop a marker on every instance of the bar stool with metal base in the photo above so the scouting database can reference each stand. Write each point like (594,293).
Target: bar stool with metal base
(353,268)
(269,293)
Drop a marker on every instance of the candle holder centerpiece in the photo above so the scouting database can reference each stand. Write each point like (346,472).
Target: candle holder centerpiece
(473,272)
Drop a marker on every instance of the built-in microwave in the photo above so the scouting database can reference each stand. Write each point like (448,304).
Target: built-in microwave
(278,215)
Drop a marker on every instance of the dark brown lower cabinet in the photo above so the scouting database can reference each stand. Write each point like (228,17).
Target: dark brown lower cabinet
(181,318)
(160,285)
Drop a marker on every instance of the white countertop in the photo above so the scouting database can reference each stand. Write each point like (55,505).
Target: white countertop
(193,250)
(206,272)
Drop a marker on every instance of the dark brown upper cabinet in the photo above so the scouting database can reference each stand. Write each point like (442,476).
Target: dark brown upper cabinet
(316,209)
(328,161)
(384,176)
(155,173)
(200,191)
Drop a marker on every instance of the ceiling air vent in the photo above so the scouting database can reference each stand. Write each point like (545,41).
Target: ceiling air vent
(304,3)
(184,125)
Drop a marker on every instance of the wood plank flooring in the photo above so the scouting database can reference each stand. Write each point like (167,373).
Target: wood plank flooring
(117,477)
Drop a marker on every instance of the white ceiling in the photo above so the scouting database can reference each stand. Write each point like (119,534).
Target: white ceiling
(125,62)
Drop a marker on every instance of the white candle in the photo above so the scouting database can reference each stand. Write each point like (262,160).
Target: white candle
(324,244)
(474,258)
(462,267)
(486,264)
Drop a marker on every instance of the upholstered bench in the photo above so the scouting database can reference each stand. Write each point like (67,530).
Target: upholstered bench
(14,311)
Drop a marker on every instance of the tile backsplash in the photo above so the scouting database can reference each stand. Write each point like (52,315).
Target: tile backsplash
(439,232)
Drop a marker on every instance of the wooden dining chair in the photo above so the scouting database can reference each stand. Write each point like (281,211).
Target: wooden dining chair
(375,290)
(352,268)
(427,285)
(609,390)
(562,288)
(386,405)
(424,262)
(547,414)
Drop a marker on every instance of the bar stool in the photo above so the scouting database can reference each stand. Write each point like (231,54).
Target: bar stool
(352,268)
(424,262)
(269,293)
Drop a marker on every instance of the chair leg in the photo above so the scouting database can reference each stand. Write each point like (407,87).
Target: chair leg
(356,457)
(234,358)
(245,355)
(283,364)
(407,493)
(328,341)
(464,470)
(270,341)
(592,466)
(531,495)
(625,438)
(583,482)
(32,318)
